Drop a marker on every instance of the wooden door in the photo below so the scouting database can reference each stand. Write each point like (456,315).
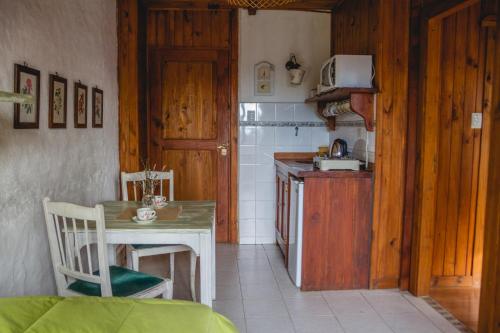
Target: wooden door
(449,212)
(458,149)
(189,124)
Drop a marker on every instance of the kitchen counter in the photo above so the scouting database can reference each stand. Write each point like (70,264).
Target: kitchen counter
(301,166)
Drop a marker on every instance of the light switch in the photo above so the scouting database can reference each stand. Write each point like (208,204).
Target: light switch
(477,120)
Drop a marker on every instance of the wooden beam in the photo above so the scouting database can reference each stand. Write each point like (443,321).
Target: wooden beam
(489,309)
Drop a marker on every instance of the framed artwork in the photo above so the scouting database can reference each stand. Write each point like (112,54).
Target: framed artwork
(27,81)
(80,105)
(58,96)
(97,107)
(264,79)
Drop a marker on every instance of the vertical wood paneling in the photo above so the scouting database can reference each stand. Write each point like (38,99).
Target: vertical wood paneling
(381,28)
(128,83)
(489,309)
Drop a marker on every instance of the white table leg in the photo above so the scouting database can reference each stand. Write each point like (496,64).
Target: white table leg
(206,269)
(112,254)
(213,260)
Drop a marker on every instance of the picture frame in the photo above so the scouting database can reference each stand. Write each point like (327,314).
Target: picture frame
(27,81)
(80,105)
(97,107)
(58,97)
(264,79)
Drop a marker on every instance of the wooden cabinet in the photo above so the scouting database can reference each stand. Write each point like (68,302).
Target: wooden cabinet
(282,211)
(336,225)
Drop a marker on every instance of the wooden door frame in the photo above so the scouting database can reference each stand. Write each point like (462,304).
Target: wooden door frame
(427,142)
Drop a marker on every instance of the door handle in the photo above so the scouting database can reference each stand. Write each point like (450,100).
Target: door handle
(223,148)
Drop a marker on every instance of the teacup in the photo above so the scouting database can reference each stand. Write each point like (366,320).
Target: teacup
(159,200)
(144,214)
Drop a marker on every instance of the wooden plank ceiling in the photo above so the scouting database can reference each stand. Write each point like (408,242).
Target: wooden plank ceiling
(204,4)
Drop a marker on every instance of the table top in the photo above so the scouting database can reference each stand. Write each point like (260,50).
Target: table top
(194,215)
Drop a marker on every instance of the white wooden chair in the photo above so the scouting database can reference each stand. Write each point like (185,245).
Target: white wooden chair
(135,251)
(70,246)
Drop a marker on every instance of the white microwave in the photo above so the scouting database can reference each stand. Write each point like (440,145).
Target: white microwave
(346,71)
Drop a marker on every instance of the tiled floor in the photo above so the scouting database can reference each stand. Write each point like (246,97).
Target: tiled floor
(255,292)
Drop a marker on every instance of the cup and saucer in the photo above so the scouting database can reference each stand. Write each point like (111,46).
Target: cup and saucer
(160,201)
(145,215)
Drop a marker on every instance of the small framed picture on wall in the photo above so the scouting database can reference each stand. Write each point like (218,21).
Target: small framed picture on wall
(58,96)
(97,107)
(27,81)
(80,105)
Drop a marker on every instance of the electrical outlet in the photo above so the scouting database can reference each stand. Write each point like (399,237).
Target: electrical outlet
(250,115)
(477,120)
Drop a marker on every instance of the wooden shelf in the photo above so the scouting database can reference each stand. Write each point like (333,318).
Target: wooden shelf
(340,94)
(362,100)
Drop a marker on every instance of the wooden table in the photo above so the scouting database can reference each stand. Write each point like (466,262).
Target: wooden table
(195,227)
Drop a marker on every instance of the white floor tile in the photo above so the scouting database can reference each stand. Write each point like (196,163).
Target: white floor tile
(264,308)
(261,291)
(256,293)
(270,325)
(316,324)
(308,306)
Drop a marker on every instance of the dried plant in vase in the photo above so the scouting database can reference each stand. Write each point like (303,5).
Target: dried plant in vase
(150,183)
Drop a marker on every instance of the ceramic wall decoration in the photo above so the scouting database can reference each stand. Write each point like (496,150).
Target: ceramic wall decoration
(58,96)
(264,79)
(80,105)
(97,107)
(296,74)
(27,81)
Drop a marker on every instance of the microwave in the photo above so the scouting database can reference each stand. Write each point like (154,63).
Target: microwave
(346,71)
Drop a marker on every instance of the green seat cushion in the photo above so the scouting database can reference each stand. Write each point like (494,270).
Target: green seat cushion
(124,282)
(145,246)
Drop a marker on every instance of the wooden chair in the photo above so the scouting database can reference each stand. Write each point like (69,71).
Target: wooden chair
(70,246)
(135,251)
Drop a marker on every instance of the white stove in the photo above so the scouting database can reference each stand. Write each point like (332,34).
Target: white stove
(344,163)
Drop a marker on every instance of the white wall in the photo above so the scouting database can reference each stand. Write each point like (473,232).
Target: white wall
(272,35)
(78,40)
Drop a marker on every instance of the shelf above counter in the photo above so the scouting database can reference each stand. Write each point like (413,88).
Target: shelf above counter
(361,100)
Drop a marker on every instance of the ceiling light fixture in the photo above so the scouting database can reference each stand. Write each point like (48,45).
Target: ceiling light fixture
(259,4)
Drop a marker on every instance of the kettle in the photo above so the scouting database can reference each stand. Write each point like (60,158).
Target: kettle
(338,148)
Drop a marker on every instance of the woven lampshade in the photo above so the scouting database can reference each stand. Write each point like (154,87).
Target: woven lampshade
(259,3)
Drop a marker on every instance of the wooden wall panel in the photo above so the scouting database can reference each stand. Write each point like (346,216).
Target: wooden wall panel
(381,28)
(128,83)
(489,309)
(188,28)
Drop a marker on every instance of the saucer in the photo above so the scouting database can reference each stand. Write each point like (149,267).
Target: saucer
(162,205)
(136,220)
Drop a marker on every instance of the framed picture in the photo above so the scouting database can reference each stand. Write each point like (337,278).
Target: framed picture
(97,107)
(27,81)
(264,79)
(80,105)
(58,96)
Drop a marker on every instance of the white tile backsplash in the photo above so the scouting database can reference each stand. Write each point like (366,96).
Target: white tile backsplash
(285,111)
(257,145)
(266,111)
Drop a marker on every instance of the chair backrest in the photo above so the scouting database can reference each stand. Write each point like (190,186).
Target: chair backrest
(68,227)
(137,179)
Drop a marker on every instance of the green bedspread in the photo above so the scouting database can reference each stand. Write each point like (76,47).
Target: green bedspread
(52,314)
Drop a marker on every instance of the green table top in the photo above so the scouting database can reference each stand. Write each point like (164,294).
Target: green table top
(195,215)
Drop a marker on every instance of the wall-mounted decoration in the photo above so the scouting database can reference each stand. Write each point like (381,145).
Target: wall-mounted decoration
(264,79)
(58,96)
(97,107)
(27,81)
(296,74)
(80,105)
